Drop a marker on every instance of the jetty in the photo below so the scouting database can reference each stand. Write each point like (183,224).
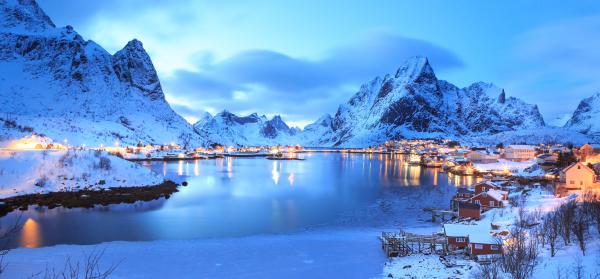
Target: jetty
(402,244)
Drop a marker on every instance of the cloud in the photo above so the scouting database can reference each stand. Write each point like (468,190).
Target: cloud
(560,60)
(271,82)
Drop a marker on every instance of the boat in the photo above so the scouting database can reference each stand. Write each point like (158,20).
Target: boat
(281,156)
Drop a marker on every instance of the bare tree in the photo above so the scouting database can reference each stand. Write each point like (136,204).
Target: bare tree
(488,271)
(566,213)
(89,268)
(580,226)
(519,255)
(551,227)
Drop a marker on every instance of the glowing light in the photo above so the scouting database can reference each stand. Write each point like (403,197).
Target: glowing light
(30,236)
(180,168)
(291,178)
(275,173)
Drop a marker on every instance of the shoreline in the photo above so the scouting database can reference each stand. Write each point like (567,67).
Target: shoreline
(89,198)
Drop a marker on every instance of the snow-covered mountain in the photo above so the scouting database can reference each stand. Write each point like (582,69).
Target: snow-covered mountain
(586,118)
(413,103)
(53,82)
(252,130)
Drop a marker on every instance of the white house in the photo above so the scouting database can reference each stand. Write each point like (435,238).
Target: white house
(579,176)
(519,152)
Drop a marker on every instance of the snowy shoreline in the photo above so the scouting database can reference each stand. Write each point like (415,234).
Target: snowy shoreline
(73,178)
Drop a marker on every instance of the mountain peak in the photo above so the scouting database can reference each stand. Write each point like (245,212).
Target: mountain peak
(132,65)
(23,15)
(416,68)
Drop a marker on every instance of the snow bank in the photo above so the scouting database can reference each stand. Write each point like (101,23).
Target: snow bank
(318,254)
(42,171)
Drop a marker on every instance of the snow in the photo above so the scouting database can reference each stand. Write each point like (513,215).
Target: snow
(496,194)
(504,164)
(229,129)
(538,200)
(61,170)
(478,232)
(55,83)
(311,254)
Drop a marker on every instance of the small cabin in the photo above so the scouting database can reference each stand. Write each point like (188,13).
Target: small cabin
(469,210)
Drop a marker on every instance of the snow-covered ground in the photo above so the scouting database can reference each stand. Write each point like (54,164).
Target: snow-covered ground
(42,171)
(538,200)
(318,254)
(526,168)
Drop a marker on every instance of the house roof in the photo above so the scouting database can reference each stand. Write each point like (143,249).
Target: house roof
(494,195)
(483,237)
(579,163)
(460,230)
(497,194)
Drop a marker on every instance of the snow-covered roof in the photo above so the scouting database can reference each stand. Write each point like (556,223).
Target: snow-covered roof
(496,194)
(458,230)
(478,233)
(483,237)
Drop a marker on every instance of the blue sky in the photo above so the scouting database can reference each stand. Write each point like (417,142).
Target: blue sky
(301,59)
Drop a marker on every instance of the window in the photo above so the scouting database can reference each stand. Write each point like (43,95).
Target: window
(478,202)
(578,167)
(460,239)
(572,182)
(580,182)
(491,203)
(494,247)
(478,246)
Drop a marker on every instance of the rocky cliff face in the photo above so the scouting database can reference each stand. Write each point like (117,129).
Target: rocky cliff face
(252,130)
(414,103)
(65,87)
(586,118)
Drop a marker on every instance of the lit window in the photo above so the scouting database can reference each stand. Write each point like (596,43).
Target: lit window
(491,203)
(478,246)
(494,247)
(460,239)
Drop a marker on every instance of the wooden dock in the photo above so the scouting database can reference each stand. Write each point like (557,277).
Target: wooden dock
(449,214)
(403,244)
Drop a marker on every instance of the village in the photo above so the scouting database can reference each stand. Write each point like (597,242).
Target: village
(506,179)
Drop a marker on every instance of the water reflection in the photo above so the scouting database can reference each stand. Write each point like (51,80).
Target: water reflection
(275,173)
(30,234)
(236,197)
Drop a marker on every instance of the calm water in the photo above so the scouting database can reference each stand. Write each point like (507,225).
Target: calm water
(248,196)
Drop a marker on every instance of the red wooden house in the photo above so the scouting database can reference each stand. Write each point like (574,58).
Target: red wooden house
(469,210)
(482,243)
(457,236)
(489,199)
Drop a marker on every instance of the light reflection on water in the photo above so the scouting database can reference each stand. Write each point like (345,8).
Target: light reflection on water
(231,197)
